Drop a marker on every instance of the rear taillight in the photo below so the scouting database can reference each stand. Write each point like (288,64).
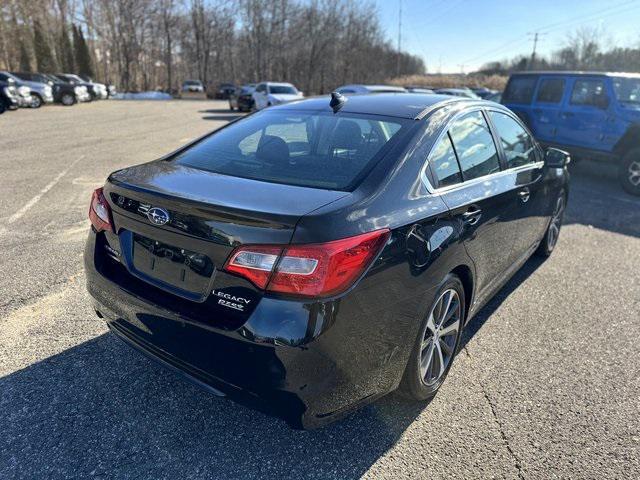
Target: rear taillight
(100,212)
(313,270)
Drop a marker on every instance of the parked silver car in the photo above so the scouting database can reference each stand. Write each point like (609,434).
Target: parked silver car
(23,89)
(41,93)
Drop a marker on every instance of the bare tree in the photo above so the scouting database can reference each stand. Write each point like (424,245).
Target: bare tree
(151,44)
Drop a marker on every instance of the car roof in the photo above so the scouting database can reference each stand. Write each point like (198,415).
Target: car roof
(577,73)
(402,105)
(373,88)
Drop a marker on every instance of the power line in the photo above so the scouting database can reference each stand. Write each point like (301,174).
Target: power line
(603,13)
(452,7)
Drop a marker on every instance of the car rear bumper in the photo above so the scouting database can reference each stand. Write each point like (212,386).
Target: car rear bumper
(308,363)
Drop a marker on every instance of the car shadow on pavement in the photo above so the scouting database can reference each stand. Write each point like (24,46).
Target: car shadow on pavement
(221,114)
(101,408)
(597,199)
(223,118)
(488,310)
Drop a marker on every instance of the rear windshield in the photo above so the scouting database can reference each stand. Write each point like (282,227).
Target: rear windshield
(319,150)
(519,90)
(282,89)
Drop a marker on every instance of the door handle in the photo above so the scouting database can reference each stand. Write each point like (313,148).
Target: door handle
(567,114)
(471,216)
(524,194)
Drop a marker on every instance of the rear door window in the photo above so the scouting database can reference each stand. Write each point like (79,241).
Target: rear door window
(443,163)
(587,92)
(551,90)
(517,144)
(520,90)
(474,145)
(316,149)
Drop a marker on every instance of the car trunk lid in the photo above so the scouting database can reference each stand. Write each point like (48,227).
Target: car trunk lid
(209,215)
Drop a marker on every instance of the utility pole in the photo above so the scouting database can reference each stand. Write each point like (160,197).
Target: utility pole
(399,37)
(536,36)
(462,65)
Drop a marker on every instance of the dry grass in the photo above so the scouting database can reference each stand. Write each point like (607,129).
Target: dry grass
(495,82)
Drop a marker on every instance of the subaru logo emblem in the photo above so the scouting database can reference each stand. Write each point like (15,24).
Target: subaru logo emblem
(158,216)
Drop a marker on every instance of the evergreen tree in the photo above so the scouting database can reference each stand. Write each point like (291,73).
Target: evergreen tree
(44,58)
(25,60)
(66,51)
(82,55)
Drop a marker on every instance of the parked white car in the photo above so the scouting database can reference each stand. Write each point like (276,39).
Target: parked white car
(271,93)
(192,86)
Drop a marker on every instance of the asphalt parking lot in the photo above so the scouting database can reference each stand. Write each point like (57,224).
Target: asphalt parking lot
(546,386)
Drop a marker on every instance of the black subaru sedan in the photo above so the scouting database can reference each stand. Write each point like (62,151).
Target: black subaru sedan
(315,256)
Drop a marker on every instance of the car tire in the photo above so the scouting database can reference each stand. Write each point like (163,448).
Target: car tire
(36,101)
(437,342)
(67,99)
(551,235)
(629,172)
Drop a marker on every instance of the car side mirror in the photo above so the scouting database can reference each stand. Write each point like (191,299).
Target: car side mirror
(555,158)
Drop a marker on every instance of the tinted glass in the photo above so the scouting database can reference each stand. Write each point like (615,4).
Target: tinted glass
(443,163)
(474,145)
(627,90)
(518,146)
(550,90)
(282,89)
(520,90)
(319,150)
(587,92)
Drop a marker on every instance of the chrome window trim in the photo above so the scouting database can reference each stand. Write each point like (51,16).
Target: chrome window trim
(484,109)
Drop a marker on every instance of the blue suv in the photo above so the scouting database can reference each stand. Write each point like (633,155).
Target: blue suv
(591,115)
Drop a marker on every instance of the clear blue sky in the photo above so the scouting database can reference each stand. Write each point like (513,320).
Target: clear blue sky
(448,33)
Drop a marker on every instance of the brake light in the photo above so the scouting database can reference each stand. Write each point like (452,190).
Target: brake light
(313,270)
(100,212)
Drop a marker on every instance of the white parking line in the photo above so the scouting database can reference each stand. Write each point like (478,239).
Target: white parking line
(25,208)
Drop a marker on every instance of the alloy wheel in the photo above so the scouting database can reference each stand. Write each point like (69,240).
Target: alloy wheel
(634,173)
(67,99)
(556,223)
(439,341)
(36,101)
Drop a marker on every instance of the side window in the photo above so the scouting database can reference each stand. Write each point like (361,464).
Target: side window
(474,145)
(443,163)
(587,92)
(260,88)
(249,144)
(294,134)
(518,146)
(550,91)
(520,90)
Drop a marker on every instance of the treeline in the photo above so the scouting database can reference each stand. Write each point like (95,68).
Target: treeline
(156,44)
(586,49)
